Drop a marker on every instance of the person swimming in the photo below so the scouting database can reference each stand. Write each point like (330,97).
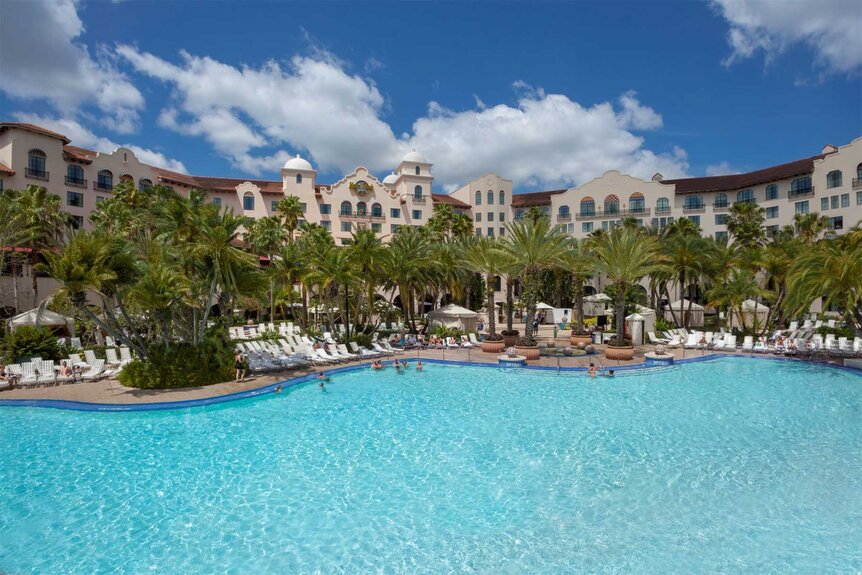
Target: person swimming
(278,388)
(419,365)
(609,373)
(321,377)
(592,370)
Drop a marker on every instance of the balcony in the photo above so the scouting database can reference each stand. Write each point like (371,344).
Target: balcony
(419,199)
(722,207)
(800,193)
(76,182)
(693,209)
(36,174)
(103,186)
(857,183)
(564,217)
(662,211)
(357,217)
(630,213)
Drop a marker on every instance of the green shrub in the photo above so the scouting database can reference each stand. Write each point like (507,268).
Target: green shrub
(661,324)
(183,364)
(27,341)
(837,331)
(362,339)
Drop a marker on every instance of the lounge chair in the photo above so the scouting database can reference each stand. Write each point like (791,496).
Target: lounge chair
(388,346)
(691,342)
(465,342)
(730,343)
(126,355)
(674,342)
(380,348)
(473,339)
(748,343)
(451,343)
(89,356)
(96,370)
(719,343)
(655,340)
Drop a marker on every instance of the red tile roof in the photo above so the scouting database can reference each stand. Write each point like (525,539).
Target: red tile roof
(79,154)
(447,199)
(740,181)
(4,169)
(33,128)
(230,184)
(534,198)
(175,177)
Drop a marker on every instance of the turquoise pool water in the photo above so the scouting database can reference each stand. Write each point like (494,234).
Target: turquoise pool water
(730,466)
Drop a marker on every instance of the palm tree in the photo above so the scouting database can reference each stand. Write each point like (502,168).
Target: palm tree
(624,256)
(809,226)
(684,255)
(482,255)
(745,224)
(13,234)
(265,237)
(578,260)
(738,286)
(408,266)
(367,254)
(290,211)
(532,245)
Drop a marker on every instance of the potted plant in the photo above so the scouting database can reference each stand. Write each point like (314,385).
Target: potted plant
(510,336)
(579,261)
(483,255)
(527,347)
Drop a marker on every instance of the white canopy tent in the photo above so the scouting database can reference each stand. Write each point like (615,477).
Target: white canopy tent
(453,316)
(753,313)
(648,317)
(42,317)
(681,308)
(595,304)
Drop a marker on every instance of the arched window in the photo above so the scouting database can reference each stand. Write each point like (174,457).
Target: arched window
(361,209)
(490,197)
(859,173)
(417,192)
(588,206)
(346,208)
(563,212)
(720,200)
(612,204)
(745,197)
(502,197)
(298,178)
(36,163)
(662,205)
(145,184)
(105,180)
(248,201)
(834,179)
(127,178)
(772,192)
(800,186)
(478,198)
(693,202)
(75,175)
(376,210)
(417,170)
(637,204)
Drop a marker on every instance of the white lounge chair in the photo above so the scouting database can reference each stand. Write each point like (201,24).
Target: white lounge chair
(96,370)
(748,343)
(465,342)
(730,343)
(656,340)
(691,342)
(126,355)
(473,339)
(89,356)
(450,342)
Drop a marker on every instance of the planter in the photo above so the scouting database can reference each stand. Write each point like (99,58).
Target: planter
(576,340)
(619,352)
(493,346)
(509,340)
(530,352)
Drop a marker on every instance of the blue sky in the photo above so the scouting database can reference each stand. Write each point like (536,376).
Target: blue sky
(547,94)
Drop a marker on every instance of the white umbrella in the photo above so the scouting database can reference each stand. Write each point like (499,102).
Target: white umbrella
(542,305)
(598,297)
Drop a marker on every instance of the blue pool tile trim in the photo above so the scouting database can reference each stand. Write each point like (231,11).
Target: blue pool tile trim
(163,405)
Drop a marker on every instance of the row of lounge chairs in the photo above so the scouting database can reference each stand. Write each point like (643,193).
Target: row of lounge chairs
(39,372)
(288,328)
(299,351)
(797,342)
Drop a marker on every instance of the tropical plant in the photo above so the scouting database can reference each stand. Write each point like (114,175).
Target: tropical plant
(483,255)
(578,260)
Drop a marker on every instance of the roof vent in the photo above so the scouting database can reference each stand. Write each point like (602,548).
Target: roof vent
(829,149)
(657,177)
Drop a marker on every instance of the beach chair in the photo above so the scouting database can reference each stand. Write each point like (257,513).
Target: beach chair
(96,370)
(321,353)
(388,346)
(719,343)
(748,343)
(465,342)
(730,343)
(691,341)
(29,375)
(125,355)
(361,351)
(45,372)
(342,349)
(674,342)
(111,358)
(473,339)
(760,345)
(379,348)
(89,356)
(794,325)
(76,360)
(655,340)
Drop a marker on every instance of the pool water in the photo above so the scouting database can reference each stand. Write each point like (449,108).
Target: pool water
(728,466)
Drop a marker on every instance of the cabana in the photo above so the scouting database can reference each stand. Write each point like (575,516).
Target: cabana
(681,308)
(594,305)
(453,316)
(41,317)
(753,314)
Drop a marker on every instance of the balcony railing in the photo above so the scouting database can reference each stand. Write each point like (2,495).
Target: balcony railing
(722,207)
(103,186)
(634,213)
(36,174)
(693,209)
(662,211)
(356,217)
(800,193)
(419,199)
(77,182)
(857,183)
(564,217)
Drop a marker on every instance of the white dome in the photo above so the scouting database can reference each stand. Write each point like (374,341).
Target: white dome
(414,157)
(390,179)
(297,163)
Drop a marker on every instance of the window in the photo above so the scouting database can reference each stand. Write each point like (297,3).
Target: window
(478,231)
(216,201)
(771,212)
(845,200)
(637,204)
(695,220)
(376,228)
(801,207)
(418,170)
(721,236)
(478,198)
(720,201)
(772,192)
(771,231)
(833,179)
(834,202)
(693,202)
(800,186)
(563,212)
(298,178)
(662,205)
(248,201)
(145,184)
(127,179)
(859,173)
(273,206)
(417,214)
(100,199)
(745,197)
(477,217)
(75,199)
(417,192)
(588,206)
(361,209)
(75,175)
(393,228)
(502,216)
(587,227)
(77,222)
(859,198)
(376,210)
(345,226)
(490,197)
(502,232)
(394,212)
(490,232)
(346,208)
(836,223)
(824,204)
(36,164)
(721,219)
(325,209)
(612,204)
(326,224)
(105,180)
(490,216)
(502,199)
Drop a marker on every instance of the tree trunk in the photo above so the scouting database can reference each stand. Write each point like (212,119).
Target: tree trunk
(579,305)
(489,293)
(621,314)
(207,308)
(510,303)
(347,312)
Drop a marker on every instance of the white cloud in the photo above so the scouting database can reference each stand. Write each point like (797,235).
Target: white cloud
(720,169)
(831,28)
(43,59)
(636,116)
(85,138)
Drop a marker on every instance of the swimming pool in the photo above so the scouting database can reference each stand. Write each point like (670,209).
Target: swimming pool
(736,465)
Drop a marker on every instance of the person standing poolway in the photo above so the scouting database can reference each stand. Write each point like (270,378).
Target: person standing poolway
(238,364)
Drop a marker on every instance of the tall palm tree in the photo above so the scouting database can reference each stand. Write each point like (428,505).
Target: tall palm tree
(745,224)
(684,255)
(809,226)
(578,260)
(290,211)
(532,245)
(738,286)
(265,237)
(624,256)
(13,234)
(408,266)
(483,255)
(367,254)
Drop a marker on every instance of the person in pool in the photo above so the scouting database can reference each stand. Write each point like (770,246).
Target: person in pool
(376,364)
(397,367)
(592,370)
(609,373)
(322,377)
(278,388)
(419,365)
